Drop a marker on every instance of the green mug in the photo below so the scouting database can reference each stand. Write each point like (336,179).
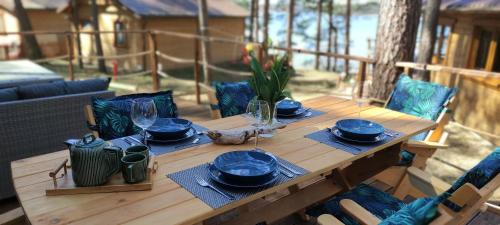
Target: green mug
(133,168)
(139,149)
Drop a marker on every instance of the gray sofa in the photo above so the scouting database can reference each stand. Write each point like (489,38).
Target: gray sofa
(37,126)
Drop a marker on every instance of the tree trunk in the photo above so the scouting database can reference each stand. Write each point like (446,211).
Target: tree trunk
(426,47)
(76,23)
(256,21)
(396,36)
(330,30)
(289,33)
(265,39)
(347,35)
(318,33)
(252,16)
(98,44)
(31,47)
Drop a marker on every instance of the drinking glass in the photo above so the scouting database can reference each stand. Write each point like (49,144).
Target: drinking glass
(259,114)
(143,114)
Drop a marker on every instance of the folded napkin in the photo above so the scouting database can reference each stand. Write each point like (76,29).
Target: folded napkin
(239,136)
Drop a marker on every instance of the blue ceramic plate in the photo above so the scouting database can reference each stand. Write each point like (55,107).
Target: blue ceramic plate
(246,166)
(297,113)
(286,106)
(169,128)
(187,136)
(217,176)
(339,135)
(358,129)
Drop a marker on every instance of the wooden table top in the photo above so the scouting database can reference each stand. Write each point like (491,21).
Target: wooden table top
(167,202)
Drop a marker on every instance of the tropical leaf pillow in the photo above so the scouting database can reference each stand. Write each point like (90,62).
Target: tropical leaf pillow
(113,115)
(233,98)
(419,212)
(419,98)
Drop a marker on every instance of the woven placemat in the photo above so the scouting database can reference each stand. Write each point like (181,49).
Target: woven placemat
(186,178)
(310,114)
(159,148)
(325,137)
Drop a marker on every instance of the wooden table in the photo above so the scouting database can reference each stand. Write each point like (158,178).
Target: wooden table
(168,203)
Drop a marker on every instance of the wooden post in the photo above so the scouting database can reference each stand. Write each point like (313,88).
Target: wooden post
(347,33)
(330,29)
(265,40)
(255,21)
(252,17)
(6,50)
(154,61)
(205,44)
(289,42)
(361,77)
(318,33)
(436,57)
(197,69)
(69,46)
(76,23)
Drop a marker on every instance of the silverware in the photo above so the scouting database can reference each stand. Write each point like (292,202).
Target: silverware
(197,132)
(286,173)
(204,183)
(127,141)
(347,145)
(289,168)
(389,134)
(188,144)
(308,112)
(135,139)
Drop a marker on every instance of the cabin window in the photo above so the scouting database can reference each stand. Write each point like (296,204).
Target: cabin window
(486,53)
(120,35)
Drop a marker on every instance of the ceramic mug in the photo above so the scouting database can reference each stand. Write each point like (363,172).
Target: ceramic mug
(139,149)
(133,168)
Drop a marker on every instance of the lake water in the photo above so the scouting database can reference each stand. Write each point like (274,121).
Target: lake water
(363,27)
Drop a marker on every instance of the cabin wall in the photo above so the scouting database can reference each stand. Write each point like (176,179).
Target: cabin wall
(45,20)
(184,47)
(478,100)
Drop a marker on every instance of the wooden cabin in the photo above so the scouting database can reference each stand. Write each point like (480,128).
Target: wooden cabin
(226,19)
(43,16)
(468,37)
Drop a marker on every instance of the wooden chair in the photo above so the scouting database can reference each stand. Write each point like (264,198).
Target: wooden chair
(467,200)
(212,100)
(89,116)
(233,107)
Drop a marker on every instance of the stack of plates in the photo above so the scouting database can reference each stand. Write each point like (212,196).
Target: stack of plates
(289,108)
(359,131)
(244,169)
(169,130)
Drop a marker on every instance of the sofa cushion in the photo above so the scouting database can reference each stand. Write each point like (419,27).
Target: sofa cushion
(233,97)
(90,85)
(8,94)
(42,90)
(113,115)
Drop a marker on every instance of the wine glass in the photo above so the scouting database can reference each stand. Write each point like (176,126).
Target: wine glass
(259,114)
(143,114)
(360,101)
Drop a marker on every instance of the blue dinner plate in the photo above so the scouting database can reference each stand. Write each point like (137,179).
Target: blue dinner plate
(339,135)
(186,136)
(246,166)
(286,107)
(296,113)
(358,129)
(169,128)
(217,176)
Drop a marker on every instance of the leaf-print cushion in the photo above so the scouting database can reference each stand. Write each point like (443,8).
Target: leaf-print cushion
(478,176)
(379,203)
(233,97)
(419,212)
(113,115)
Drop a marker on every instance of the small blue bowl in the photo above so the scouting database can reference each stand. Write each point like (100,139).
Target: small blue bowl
(169,128)
(287,107)
(246,166)
(359,129)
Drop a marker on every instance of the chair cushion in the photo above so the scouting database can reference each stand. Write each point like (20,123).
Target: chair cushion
(379,203)
(233,97)
(419,212)
(419,98)
(42,90)
(113,115)
(90,85)
(8,94)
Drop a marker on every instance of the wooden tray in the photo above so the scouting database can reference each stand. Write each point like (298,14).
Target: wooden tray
(64,185)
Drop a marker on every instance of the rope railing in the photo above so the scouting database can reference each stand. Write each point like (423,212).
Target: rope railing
(121,56)
(174,59)
(131,74)
(228,71)
(51,59)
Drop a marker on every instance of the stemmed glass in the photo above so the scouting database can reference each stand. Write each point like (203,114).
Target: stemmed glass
(143,114)
(258,113)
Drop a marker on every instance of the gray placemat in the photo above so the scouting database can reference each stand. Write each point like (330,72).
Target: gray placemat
(310,114)
(325,137)
(186,178)
(160,148)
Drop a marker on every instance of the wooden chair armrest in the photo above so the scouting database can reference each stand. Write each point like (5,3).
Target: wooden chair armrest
(375,100)
(327,219)
(423,144)
(359,213)
(426,183)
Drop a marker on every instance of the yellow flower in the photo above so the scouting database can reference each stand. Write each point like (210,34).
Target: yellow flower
(249,47)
